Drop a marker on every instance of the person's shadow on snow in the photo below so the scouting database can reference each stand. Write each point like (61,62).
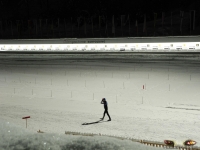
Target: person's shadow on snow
(100,121)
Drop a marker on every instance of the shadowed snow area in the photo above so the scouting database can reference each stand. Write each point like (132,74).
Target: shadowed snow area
(17,138)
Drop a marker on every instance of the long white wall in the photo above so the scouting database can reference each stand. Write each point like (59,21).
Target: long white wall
(104,44)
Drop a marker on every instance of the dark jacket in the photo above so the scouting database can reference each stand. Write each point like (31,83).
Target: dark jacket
(105,104)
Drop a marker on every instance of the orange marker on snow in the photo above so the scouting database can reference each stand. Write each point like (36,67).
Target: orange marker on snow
(169,142)
(26,119)
(189,142)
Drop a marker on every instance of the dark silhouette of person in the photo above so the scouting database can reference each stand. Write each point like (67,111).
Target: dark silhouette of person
(103,101)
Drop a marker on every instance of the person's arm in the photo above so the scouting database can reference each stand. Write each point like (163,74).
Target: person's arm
(102,102)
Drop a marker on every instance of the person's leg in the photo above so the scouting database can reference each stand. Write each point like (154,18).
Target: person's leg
(103,115)
(106,111)
(108,116)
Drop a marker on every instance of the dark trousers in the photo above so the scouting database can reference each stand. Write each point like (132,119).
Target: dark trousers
(106,112)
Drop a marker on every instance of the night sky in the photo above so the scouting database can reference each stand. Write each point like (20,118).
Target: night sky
(33,9)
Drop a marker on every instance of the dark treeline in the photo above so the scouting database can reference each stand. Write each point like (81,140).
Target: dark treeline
(97,18)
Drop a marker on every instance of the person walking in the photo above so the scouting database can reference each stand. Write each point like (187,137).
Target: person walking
(103,101)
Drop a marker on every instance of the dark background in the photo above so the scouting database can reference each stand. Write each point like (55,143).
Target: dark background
(93,18)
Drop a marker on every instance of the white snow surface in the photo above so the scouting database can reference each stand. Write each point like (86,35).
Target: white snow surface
(16,138)
(60,95)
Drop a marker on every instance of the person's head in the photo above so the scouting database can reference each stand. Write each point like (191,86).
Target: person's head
(103,99)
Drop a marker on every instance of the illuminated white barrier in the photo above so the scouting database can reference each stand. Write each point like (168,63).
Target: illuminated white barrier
(104,44)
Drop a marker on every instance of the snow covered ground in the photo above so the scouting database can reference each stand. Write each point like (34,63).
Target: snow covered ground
(62,94)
